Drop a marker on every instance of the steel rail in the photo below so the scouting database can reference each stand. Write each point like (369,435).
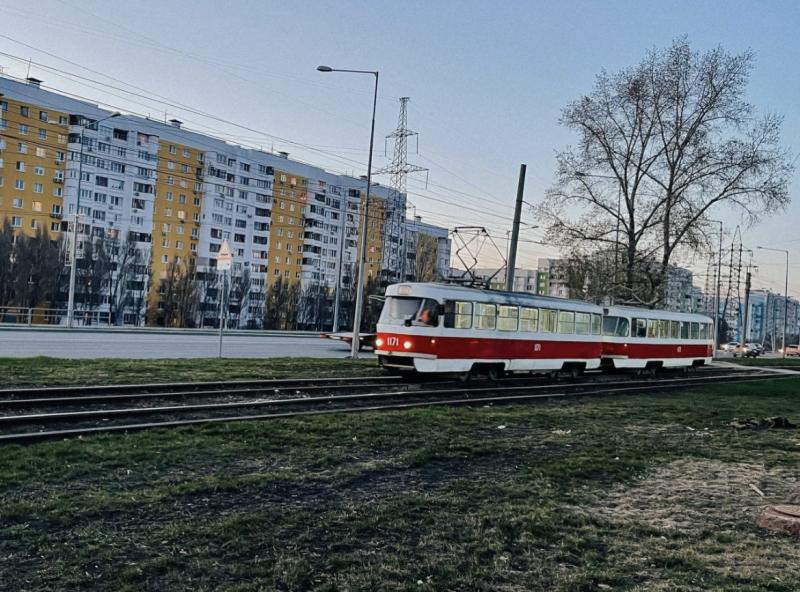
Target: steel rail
(167,386)
(38,419)
(655,387)
(304,401)
(250,387)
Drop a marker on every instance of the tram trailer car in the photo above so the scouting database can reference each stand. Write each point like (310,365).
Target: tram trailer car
(644,339)
(441,328)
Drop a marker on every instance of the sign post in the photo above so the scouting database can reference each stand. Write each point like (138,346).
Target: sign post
(224,264)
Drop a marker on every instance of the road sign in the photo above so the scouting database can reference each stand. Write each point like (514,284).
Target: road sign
(225,257)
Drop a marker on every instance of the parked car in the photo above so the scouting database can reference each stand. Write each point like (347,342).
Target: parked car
(793,350)
(748,350)
(730,346)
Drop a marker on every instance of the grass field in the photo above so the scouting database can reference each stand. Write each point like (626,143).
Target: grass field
(58,372)
(766,361)
(624,493)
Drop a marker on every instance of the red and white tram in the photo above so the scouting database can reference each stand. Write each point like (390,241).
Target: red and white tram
(650,339)
(449,328)
(455,329)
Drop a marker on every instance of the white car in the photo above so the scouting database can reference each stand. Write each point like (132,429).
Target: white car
(731,346)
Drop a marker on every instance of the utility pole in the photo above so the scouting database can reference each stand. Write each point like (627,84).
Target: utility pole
(746,307)
(512,251)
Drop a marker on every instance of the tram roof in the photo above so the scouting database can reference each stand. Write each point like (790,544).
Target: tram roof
(422,289)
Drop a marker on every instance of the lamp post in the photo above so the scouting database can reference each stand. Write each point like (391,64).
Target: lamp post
(74,246)
(785,297)
(362,256)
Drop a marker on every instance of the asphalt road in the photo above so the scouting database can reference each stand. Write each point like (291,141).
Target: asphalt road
(61,344)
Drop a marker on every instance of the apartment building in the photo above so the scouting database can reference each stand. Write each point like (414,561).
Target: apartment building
(427,251)
(163,199)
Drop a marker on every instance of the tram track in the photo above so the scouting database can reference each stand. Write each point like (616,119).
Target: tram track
(62,424)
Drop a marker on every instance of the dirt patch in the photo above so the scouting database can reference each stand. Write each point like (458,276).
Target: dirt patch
(689,495)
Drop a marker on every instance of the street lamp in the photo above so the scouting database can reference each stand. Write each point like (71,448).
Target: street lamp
(362,257)
(785,298)
(74,247)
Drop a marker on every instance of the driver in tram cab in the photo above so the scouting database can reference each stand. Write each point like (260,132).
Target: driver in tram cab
(428,314)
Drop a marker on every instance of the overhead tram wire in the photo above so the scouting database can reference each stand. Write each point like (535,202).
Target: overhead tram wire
(117,107)
(146,123)
(175,104)
(187,176)
(233,68)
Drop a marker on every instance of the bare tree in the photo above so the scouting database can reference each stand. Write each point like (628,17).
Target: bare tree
(427,259)
(126,259)
(660,145)
(177,297)
(6,263)
(38,270)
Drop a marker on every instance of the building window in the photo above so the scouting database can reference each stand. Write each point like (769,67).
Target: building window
(37,206)
(22,148)
(16,202)
(43,116)
(20,166)
(23,110)
(19,184)
(23,129)
(16,221)
(42,134)
(39,171)
(172,150)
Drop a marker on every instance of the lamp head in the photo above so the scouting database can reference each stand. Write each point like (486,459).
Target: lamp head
(324,68)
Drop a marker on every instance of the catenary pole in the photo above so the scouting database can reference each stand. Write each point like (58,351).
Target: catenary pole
(512,252)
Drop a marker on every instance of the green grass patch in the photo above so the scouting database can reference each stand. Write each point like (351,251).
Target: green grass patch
(636,492)
(766,361)
(44,371)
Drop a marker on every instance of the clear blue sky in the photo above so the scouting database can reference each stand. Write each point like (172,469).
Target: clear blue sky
(487,81)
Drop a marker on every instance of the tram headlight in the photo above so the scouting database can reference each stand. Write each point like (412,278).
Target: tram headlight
(407,344)
(379,342)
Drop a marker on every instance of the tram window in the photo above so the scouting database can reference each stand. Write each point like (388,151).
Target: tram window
(507,318)
(428,314)
(652,328)
(709,330)
(615,327)
(610,326)
(458,315)
(528,319)
(622,327)
(597,324)
(641,327)
(663,329)
(548,320)
(674,329)
(703,331)
(485,316)
(694,332)
(582,323)
(684,330)
(566,321)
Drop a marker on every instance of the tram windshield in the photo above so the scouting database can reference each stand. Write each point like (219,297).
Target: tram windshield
(406,311)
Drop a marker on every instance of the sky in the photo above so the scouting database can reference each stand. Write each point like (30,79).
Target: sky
(487,82)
